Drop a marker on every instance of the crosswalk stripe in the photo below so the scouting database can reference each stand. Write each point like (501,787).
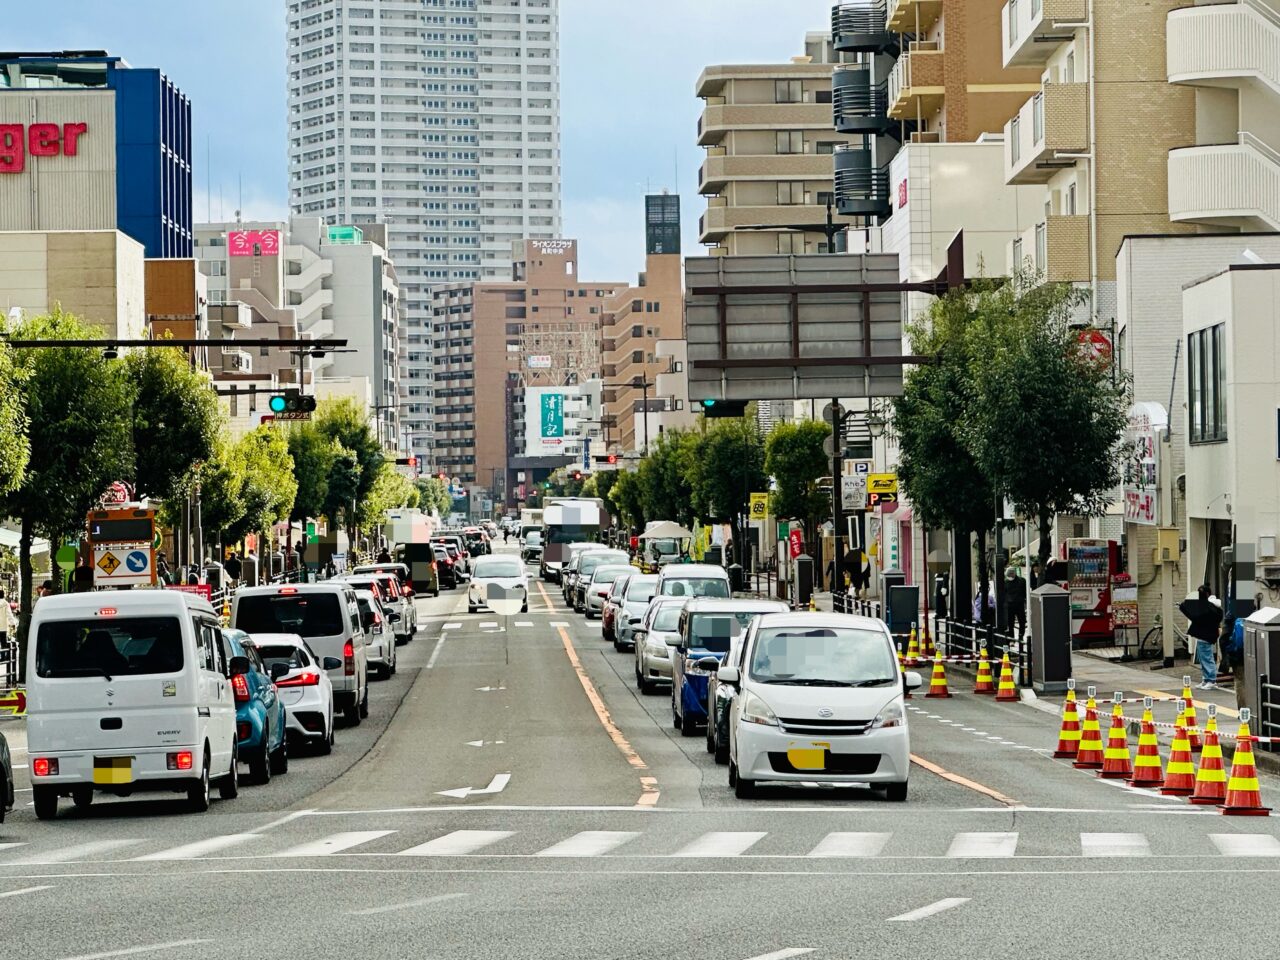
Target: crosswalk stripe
(721,844)
(851,845)
(1114,845)
(457,844)
(9,846)
(79,851)
(589,843)
(983,845)
(201,848)
(334,843)
(1246,844)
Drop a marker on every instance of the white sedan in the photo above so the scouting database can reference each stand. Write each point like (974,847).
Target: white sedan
(305,691)
(503,570)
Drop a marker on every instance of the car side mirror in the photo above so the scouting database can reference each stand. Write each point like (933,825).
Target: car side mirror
(673,641)
(331,663)
(710,664)
(278,670)
(238,666)
(393,617)
(913,680)
(727,674)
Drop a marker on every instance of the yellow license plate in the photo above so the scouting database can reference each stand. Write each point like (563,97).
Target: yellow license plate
(808,756)
(109,770)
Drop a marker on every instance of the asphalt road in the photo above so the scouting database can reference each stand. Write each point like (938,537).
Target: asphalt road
(513,796)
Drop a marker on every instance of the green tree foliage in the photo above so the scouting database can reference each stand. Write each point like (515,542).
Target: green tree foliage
(433,495)
(343,496)
(222,503)
(346,422)
(313,454)
(626,497)
(391,490)
(794,456)
(727,464)
(269,485)
(175,421)
(15,445)
(667,476)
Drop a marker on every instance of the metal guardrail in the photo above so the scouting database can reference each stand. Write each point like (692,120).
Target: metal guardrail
(8,662)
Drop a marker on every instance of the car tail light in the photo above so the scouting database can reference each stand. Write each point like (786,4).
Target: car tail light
(179,761)
(377,619)
(349,659)
(243,730)
(107,612)
(44,767)
(240,687)
(307,678)
(288,590)
(602,593)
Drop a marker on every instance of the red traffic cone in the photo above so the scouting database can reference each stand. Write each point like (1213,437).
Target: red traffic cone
(1180,774)
(1193,725)
(1146,765)
(1006,691)
(1211,778)
(1089,757)
(984,684)
(1116,763)
(1069,736)
(938,682)
(1244,799)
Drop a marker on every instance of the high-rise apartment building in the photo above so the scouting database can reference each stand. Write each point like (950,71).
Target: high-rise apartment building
(439,118)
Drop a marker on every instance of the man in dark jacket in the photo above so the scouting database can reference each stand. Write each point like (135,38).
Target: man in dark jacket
(1015,602)
(1204,616)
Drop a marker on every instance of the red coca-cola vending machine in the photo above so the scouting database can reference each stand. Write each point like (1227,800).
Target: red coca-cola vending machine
(1091,566)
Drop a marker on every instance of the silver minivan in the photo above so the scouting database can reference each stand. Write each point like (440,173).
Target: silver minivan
(693,580)
(327,616)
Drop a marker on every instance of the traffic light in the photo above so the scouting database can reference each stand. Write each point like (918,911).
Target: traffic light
(406,461)
(723,408)
(291,401)
(577,474)
(611,459)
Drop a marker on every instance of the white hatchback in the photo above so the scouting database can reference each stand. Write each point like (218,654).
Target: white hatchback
(500,569)
(820,698)
(305,691)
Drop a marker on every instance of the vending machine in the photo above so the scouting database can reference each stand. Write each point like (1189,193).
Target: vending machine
(1091,565)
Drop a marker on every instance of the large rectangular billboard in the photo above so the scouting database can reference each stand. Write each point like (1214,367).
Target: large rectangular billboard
(544,420)
(253,243)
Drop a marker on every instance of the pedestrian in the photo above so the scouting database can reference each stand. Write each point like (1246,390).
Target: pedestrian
(1205,617)
(45,589)
(163,573)
(1015,602)
(983,613)
(506,532)
(384,556)
(1233,652)
(232,567)
(82,578)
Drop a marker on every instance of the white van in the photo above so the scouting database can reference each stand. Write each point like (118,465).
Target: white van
(327,616)
(693,580)
(128,692)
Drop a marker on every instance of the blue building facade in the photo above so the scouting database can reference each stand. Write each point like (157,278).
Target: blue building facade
(153,139)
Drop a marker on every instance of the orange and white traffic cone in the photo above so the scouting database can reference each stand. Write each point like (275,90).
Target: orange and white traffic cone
(1146,765)
(1116,763)
(1069,736)
(938,682)
(1193,726)
(913,647)
(1211,778)
(1244,799)
(1089,756)
(1180,774)
(1006,691)
(985,683)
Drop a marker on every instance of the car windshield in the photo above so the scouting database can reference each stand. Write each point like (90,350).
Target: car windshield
(608,574)
(498,567)
(273,653)
(589,561)
(664,548)
(713,631)
(667,617)
(823,656)
(109,647)
(641,589)
(306,614)
(533,539)
(696,587)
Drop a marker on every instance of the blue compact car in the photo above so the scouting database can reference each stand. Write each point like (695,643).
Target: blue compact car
(260,713)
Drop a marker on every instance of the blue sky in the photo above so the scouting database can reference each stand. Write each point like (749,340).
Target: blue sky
(628,110)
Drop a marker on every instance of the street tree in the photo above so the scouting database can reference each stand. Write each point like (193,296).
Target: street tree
(221,480)
(795,458)
(175,421)
(313,453)
(391,490)
(433,496)
(626,497)
(667,475)
(346,422)
(269,486)
(340,500)
(727,464)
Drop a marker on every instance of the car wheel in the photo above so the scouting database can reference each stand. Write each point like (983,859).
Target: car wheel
(471,608)
(525,608)
(391,670)
(722,749)
(435,592)
(279,760)
(351,713)
(364,703)
(711,738)
(229,786)
(743,788)
(896,792)
(46,802)
(260,761)
(326,742)
(82,797)
(675,717)
(688,726)
(198,792)
(619,645)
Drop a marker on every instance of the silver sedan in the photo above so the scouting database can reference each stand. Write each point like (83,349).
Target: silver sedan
(656,634)
(632,607)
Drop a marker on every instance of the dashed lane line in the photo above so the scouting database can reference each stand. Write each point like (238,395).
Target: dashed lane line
(391,907)
(25,890)
(949,903)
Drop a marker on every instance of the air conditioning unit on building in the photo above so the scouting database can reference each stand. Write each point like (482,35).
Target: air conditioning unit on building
(239,361)
(1270,572)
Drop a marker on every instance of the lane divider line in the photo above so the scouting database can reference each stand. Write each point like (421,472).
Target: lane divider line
(390,907)
(436,652)
(948,904)
(964,782)
(25,890)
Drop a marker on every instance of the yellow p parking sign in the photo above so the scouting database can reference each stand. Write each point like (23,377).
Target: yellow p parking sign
(759,506)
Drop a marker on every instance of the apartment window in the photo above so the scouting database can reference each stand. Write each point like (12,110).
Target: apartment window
(790,141)
(788,91)
(790,192)
(826,146)
(1207,381)
(1042,248)
(1037,118)
(791,243)
(1013,19)
(1017,254)
(1015,141)
(826,198)
(1070,209)
(1069,68)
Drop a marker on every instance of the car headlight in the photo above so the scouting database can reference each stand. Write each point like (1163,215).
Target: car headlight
(755,710)
(891,716)
(658,648)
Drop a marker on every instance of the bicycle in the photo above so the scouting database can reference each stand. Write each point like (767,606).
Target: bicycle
(1151,646)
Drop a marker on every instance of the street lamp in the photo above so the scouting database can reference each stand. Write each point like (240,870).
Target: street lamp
(876,422)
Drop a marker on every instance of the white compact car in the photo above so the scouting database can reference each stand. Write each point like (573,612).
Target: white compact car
(380,642)
(693,580)
(128,692)
(633,604)
(502,569)
(393,577)
(596,591)
(820,698)
(654,637)
(305,691)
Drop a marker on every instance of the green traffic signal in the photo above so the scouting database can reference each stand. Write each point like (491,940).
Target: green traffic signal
(278,404)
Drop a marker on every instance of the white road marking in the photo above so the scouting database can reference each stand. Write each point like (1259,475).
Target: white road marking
(721,844)
(1114,845)
(851,845)
(24,890)
(287,818)
(558,623)
(983,845)
(201,848)
(524,623)
(1246,844)
(7,846)
(489,689)
(452,626)
(496,785)
(930,910)
(459,843)
(335,843)
(79,851)
(784,954)
(405,906)
(133,951)
(435,653)
(589,843)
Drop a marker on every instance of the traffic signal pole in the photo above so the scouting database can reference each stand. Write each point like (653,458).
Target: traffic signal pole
(837,495)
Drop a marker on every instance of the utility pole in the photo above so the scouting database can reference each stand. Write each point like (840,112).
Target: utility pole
(837,493)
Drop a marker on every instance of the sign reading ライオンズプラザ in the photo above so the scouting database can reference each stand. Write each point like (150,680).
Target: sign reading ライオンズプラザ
(19,141)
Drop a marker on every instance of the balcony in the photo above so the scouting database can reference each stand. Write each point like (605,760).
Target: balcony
(1224,44)
(1053,122)
(913,16)
(1058,248)
(916,82)
(718,171)
(861,27)
(1232,185)
(861,190)
(720,221)
(858,105)
(717,120)
(1032,29)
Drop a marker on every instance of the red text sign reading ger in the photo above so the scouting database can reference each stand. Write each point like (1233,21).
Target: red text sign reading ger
(38,140)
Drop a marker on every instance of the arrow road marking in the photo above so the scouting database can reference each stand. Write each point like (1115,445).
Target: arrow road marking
(488,689)
(370,911)
(930,910)
(18,893)
(482,743)
(784,954)
(496,785)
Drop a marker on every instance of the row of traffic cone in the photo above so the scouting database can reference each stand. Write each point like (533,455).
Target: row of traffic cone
(1006,691)
(1239,796)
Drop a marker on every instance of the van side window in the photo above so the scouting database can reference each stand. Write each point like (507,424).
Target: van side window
(211,646)
(353,609)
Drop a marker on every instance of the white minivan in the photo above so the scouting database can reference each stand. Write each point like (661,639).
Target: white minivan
(127,692)
(693,580)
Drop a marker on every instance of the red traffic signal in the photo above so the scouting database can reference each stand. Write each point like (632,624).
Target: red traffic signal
(577,474)
(612,458)
(406,461)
